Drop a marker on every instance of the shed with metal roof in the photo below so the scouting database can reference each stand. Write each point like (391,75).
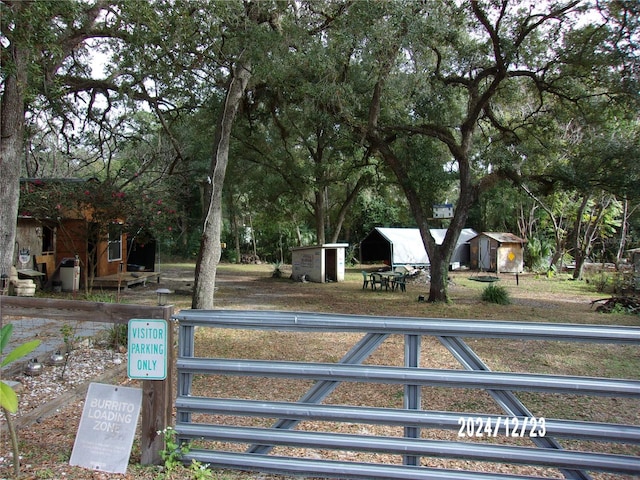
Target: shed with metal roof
(497,252)
(404,246)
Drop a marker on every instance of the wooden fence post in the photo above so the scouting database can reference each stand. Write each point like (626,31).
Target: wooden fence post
(157,397)
(157,404)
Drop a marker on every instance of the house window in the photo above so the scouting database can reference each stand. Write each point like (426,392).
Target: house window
(115,242)
(47,239)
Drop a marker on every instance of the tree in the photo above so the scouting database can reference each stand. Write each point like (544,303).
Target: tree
(255,22)
(39,38)
(255,33)
(471,75)
(316,161)
(210,250)
(52,95)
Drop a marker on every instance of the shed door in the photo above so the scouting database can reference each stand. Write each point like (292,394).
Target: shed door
(484,253)
(331,264)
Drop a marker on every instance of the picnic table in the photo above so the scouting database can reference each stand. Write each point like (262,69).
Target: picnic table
(385,279)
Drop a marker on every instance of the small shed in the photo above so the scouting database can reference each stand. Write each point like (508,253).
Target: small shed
(404,246)
(319,263)
(497,252)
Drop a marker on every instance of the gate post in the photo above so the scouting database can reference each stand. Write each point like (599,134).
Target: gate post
(157,404)
(412,393)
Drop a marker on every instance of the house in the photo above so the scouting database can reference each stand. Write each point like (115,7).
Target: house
(497,252)
(75,237)
(404,246)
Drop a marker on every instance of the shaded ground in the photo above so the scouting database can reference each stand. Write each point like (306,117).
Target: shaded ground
(534,297)
(46,445)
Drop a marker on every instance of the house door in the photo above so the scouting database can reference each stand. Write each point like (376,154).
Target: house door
(484,254)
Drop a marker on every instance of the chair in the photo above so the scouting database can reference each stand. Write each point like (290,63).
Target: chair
(376,279)
(401,282)
(365,279)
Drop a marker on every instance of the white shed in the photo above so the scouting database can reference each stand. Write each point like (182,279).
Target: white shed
(319,263)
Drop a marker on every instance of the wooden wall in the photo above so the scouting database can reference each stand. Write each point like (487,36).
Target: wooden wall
(72,237)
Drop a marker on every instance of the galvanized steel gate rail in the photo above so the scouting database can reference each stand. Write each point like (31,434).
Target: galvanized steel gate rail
(476,375)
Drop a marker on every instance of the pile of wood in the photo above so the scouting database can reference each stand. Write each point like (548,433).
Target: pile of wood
(627,304)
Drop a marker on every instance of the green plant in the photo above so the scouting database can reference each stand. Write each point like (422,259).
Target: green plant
(538,251)
(45,474)
(8,397)
(118,335)
(600,281)
(172,453)
(101,297)
(172,456)
(622,309)
(277,271)
(200,471)
(496,294)
(70,338)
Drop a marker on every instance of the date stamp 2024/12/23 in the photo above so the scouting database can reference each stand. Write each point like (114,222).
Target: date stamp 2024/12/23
(508,426)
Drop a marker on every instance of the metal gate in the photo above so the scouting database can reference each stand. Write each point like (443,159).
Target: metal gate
(543,450)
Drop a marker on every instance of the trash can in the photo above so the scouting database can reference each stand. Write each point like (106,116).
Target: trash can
(69,275)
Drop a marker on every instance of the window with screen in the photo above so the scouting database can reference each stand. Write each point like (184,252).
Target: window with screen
(115,242)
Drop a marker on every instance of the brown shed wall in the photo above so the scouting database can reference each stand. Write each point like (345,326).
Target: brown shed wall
(490,255)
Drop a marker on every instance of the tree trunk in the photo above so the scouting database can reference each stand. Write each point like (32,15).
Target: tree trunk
(319,212)
(209,255)
(11,148)
(352,194)
(583,242)
(253,238)
(578,252)
(623,231)
(439,282)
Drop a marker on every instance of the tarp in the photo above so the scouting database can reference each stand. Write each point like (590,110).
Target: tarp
(403,246)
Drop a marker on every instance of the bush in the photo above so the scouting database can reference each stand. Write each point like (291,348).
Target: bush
(118,335)
(277,270)
(496,294)
(600,281)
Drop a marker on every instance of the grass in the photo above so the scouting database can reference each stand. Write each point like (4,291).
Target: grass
(533,298)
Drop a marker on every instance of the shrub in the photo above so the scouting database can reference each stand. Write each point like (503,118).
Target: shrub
(496,294)
(118,335)
(277,270)
(600,281)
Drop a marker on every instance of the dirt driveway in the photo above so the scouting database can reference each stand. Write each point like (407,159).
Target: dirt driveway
(533,297)
(236,287)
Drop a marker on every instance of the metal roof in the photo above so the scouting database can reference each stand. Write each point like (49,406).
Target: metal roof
(407,245)
(503,237)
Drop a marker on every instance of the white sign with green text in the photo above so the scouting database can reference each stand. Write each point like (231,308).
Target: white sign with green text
(147,347)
